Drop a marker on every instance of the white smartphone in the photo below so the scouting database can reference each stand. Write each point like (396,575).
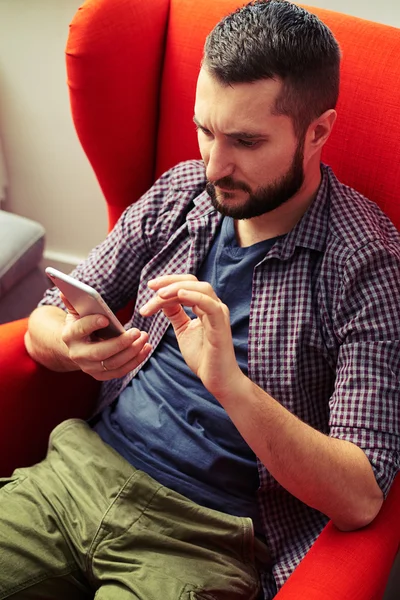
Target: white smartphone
(86,301)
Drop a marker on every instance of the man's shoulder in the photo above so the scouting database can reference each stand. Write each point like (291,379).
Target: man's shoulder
(170,196)
(188,175)
(355,221)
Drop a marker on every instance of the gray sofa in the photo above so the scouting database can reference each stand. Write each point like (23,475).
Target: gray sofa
(22,281)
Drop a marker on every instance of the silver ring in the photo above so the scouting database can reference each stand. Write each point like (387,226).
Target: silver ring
(103,365)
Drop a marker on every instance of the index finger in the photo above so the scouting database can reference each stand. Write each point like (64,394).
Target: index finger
(68,304)
(164,280)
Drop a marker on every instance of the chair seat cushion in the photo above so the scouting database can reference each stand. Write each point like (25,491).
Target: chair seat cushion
(21,249)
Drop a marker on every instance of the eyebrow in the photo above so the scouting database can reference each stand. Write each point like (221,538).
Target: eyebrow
(235,134)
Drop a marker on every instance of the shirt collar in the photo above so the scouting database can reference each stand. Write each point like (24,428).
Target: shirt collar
(311,231)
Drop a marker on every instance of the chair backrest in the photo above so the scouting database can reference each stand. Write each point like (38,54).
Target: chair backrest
(132,69)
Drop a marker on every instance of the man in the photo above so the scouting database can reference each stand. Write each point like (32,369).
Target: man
(223,443)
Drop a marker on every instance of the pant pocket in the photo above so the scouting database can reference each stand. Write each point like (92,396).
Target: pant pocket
(4,481)
(8,484)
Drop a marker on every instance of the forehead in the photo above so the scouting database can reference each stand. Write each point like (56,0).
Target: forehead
(242,106)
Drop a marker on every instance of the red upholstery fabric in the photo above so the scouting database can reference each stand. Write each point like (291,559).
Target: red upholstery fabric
(33,400)
(114,59)
(349,566)
(132,105)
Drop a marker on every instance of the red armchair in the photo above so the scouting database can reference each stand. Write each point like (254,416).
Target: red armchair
(132,67)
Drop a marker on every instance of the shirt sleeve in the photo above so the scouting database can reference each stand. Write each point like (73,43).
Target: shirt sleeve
(365,405)
(113,267)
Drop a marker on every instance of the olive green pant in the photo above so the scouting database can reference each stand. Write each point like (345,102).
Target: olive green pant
(84,523)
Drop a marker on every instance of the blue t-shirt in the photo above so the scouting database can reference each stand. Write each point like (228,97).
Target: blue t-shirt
(167,424)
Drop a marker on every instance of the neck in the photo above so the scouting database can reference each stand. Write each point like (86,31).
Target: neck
(281,220)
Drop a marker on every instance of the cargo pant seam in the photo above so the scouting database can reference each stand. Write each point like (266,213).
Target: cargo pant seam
(103,527)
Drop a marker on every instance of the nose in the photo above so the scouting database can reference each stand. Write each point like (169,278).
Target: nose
(218,162)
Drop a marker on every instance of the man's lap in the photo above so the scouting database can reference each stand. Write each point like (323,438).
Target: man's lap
(85,510)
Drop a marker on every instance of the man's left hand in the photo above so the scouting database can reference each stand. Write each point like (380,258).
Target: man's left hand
(205,342)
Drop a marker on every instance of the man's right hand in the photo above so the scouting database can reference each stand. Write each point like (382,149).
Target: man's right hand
(63,342)
(103,359)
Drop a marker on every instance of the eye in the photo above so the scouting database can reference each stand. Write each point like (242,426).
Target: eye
(248,143)
(204,131)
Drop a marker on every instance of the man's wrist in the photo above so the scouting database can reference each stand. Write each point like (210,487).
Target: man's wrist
(237,389)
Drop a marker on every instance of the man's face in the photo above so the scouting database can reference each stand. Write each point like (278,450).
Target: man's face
(254,161)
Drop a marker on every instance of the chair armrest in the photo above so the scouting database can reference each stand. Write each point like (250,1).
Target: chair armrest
(34,399)
(353,565)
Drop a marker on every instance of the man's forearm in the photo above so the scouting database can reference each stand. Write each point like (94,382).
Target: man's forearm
(331,475)
(43,339)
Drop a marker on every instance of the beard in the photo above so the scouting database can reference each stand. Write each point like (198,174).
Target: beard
(264,199)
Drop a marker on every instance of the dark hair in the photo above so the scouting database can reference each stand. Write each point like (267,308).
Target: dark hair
(270,39)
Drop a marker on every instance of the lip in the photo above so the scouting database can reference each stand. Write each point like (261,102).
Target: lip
(221,189)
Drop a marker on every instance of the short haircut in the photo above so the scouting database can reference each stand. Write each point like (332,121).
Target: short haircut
(275,39)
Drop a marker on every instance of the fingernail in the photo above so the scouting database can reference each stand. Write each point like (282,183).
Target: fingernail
(134,333)
(102,322)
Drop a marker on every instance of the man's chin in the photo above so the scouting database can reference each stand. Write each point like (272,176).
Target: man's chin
(230,203)
(229,208)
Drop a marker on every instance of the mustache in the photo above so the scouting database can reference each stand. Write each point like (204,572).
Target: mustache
(229,184)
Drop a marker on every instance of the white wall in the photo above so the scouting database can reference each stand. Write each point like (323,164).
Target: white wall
(385,11)
(50,178)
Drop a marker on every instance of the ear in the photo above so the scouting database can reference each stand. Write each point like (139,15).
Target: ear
(318,132)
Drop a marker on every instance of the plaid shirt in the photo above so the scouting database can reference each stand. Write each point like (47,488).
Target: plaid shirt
(324,323)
